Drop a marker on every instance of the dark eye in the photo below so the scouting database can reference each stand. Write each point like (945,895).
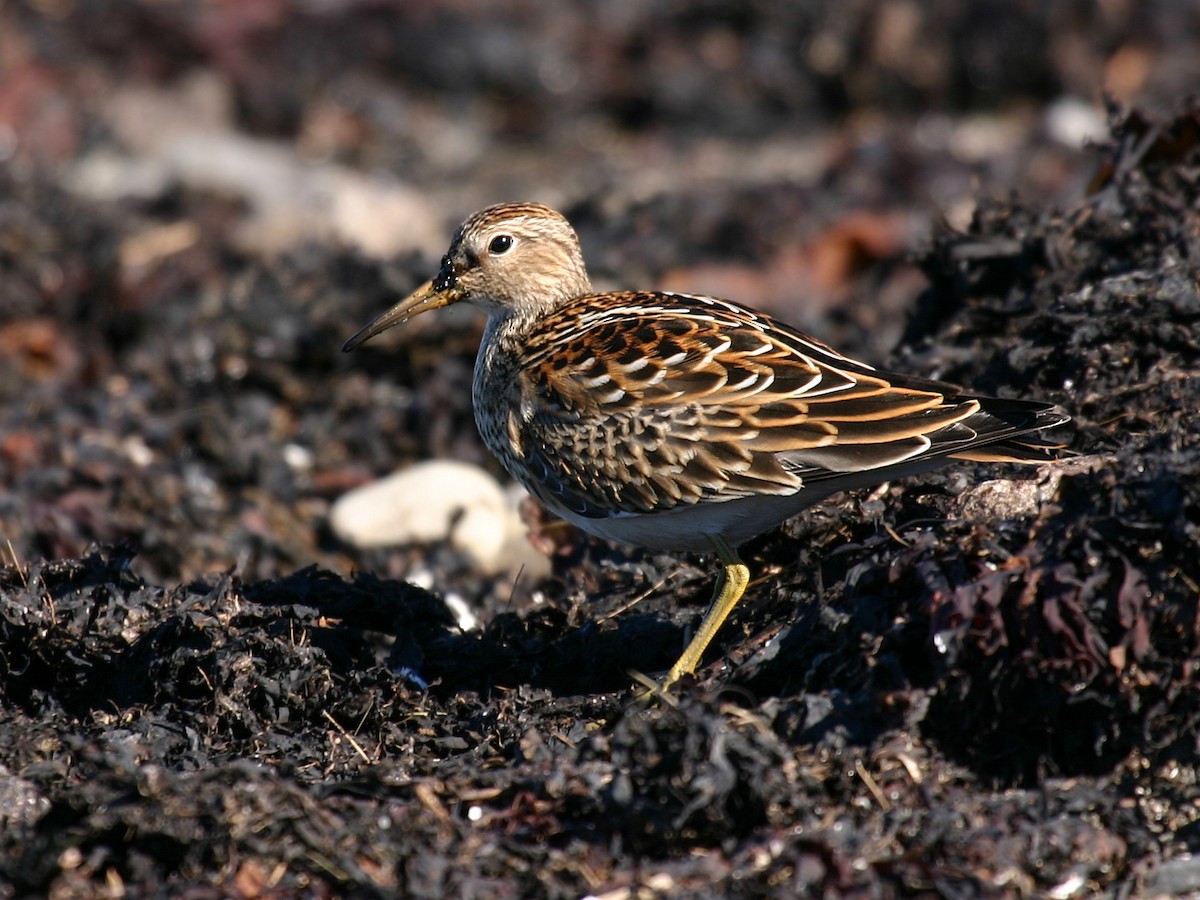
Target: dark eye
(501,243)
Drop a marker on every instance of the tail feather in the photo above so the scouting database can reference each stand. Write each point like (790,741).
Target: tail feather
(1012,431)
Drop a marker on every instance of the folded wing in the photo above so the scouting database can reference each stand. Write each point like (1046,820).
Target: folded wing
(641,402)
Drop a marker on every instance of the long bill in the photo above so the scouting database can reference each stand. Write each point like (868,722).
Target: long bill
(423,299)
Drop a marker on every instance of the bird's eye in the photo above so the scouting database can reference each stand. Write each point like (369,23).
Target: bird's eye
(501,243)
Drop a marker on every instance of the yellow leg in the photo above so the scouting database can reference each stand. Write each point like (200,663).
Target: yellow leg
(730,587)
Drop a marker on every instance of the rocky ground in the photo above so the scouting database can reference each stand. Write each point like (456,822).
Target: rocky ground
(983,682)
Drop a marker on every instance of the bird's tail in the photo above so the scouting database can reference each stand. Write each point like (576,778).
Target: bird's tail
(1030,444)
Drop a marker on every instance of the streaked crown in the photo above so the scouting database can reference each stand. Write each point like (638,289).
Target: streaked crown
(521,258)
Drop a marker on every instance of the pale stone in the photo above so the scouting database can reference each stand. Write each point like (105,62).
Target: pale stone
(1009,499)
(437,501)
(187,135)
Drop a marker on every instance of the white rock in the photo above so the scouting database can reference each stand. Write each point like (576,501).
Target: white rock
(1007,499)
(187,135)
(1075,122)
(431,502)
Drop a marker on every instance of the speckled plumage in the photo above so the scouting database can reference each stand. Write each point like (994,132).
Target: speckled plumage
(682,422)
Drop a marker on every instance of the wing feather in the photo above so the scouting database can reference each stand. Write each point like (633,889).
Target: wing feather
(639,402)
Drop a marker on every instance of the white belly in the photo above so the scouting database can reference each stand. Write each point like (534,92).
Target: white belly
(692,527)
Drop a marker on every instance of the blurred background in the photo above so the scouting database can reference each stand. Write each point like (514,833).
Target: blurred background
(199,201)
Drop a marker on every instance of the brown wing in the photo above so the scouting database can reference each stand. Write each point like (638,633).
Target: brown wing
(645,401)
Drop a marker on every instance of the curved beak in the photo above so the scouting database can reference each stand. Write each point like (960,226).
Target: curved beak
(423,299)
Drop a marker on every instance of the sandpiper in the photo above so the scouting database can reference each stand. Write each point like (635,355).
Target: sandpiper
(681,422)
